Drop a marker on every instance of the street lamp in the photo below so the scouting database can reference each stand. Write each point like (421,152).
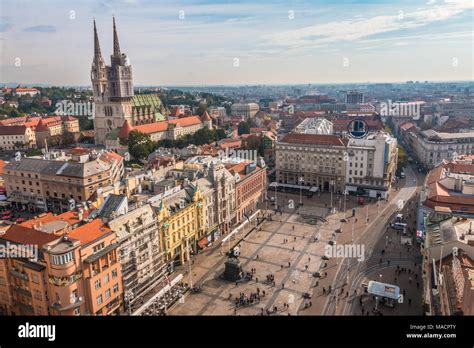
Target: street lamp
(367,216)
(332,185)
(276,201)
(345,199)
(301,180)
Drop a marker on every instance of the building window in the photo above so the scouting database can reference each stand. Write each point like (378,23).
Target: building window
(106,279)
(114,274)
(107,294)
(99,299)
(62,259)
(97,284)
(116,288)
(77,311)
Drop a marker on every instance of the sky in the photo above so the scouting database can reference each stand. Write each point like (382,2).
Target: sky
(225,42)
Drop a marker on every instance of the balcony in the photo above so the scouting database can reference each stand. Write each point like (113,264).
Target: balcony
(73,303)
(21,291)
(18,274)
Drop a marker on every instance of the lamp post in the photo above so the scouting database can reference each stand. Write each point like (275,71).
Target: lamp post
(367,216)
(276,201)
(331,189)
(189,265)
(301,180)
(345,199)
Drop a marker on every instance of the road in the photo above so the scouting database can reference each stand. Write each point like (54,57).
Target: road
(369,238)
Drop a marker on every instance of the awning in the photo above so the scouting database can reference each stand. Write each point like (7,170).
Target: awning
(203,242)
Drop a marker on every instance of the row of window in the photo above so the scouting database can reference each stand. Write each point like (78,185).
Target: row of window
(108,294)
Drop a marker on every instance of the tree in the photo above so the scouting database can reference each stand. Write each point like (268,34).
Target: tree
(140,145)
(243,128)
(220,134)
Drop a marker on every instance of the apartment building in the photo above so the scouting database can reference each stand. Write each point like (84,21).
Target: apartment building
(58,185)
(371,165)
(432,147)
(73,272)
(141,257)
(218,188)
(250,185)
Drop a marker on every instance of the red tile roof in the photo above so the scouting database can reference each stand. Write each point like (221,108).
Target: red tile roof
(205,117)
(151,128)
(24,235)
(90,231)
(186,121)
(12,130)
(125,130)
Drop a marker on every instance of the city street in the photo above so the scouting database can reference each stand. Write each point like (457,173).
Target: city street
(377,237)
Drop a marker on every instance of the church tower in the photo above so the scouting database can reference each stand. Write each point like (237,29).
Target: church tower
(112,89)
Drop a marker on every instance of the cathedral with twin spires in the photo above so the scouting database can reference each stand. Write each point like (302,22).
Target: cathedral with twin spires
(115,102)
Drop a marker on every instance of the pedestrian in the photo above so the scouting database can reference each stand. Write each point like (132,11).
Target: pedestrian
(293,249)
(282,285)
(409,301)
(388,262)
(281,266)
(306,267)
(289,264)
(325,274)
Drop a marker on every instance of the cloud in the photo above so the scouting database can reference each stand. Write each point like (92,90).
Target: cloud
(356,29)
(4,27)
(41,29)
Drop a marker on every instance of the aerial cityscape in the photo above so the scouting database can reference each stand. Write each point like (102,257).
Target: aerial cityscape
(214,165)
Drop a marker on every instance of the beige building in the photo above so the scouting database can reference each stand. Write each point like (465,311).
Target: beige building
(317,159)
(16,138)
(371,165)
(58,185)
(245,110)
(433,147)
(218,187)
(141,257)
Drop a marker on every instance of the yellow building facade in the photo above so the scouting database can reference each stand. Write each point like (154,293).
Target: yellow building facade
(181,223)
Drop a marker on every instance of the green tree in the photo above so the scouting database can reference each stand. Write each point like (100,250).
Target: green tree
(140,145)
(220,134)
(243,128)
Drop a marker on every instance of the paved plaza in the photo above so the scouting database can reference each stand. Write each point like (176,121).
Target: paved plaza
(266,251)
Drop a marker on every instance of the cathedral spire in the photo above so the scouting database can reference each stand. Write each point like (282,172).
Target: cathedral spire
(97,52)
(116,42)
